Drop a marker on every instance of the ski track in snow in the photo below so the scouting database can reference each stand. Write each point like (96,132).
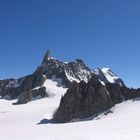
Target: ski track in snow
(20,122)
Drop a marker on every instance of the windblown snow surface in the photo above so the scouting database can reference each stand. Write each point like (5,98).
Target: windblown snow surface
(23,122)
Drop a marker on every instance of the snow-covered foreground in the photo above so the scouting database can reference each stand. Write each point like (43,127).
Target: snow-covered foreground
(21,122)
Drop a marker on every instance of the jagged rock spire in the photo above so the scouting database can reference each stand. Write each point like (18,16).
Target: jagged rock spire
(47,57)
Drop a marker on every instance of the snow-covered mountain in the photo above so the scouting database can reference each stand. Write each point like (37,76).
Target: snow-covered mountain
(32,121)
(67,71)
(32,86)
(83,100)
(71,92)
(106,75)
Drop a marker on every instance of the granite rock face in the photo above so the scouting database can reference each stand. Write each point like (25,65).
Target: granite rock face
(89,91)
(14,88)
(84,100)
(29,95)
(9,88)
(119,94)
(49,69)
(68,72)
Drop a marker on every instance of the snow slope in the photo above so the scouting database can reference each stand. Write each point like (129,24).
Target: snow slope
(110,76)
(21,122)
(106,75)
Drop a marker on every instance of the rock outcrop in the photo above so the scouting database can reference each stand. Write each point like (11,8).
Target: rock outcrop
(29,95)
(10,88)
(68,72)
(89,92)
(84,100)
(119,93)
(49,69)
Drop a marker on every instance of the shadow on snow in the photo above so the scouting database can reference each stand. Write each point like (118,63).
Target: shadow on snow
(47,121)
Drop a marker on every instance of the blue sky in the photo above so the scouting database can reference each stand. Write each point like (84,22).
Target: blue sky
(104,33)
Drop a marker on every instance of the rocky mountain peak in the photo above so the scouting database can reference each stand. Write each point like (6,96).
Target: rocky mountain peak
(47,57)
(106,75)
(88,100)
(52,69)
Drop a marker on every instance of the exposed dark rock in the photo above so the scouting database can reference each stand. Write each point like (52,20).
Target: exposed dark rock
(32,81)
(41,92)
(134,93)
(46,58)
(83,100)
(68,72)
(121,93)
(14,88)
(9,88)
(116,92)
(51,69)
(27,96)
(108,112)
(89,95)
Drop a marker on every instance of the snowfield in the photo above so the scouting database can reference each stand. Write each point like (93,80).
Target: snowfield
(22,122)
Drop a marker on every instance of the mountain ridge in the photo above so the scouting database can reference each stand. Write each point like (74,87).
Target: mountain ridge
(31,86)
(87,92)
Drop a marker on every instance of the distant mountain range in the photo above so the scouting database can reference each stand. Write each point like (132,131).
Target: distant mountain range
(89,91)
